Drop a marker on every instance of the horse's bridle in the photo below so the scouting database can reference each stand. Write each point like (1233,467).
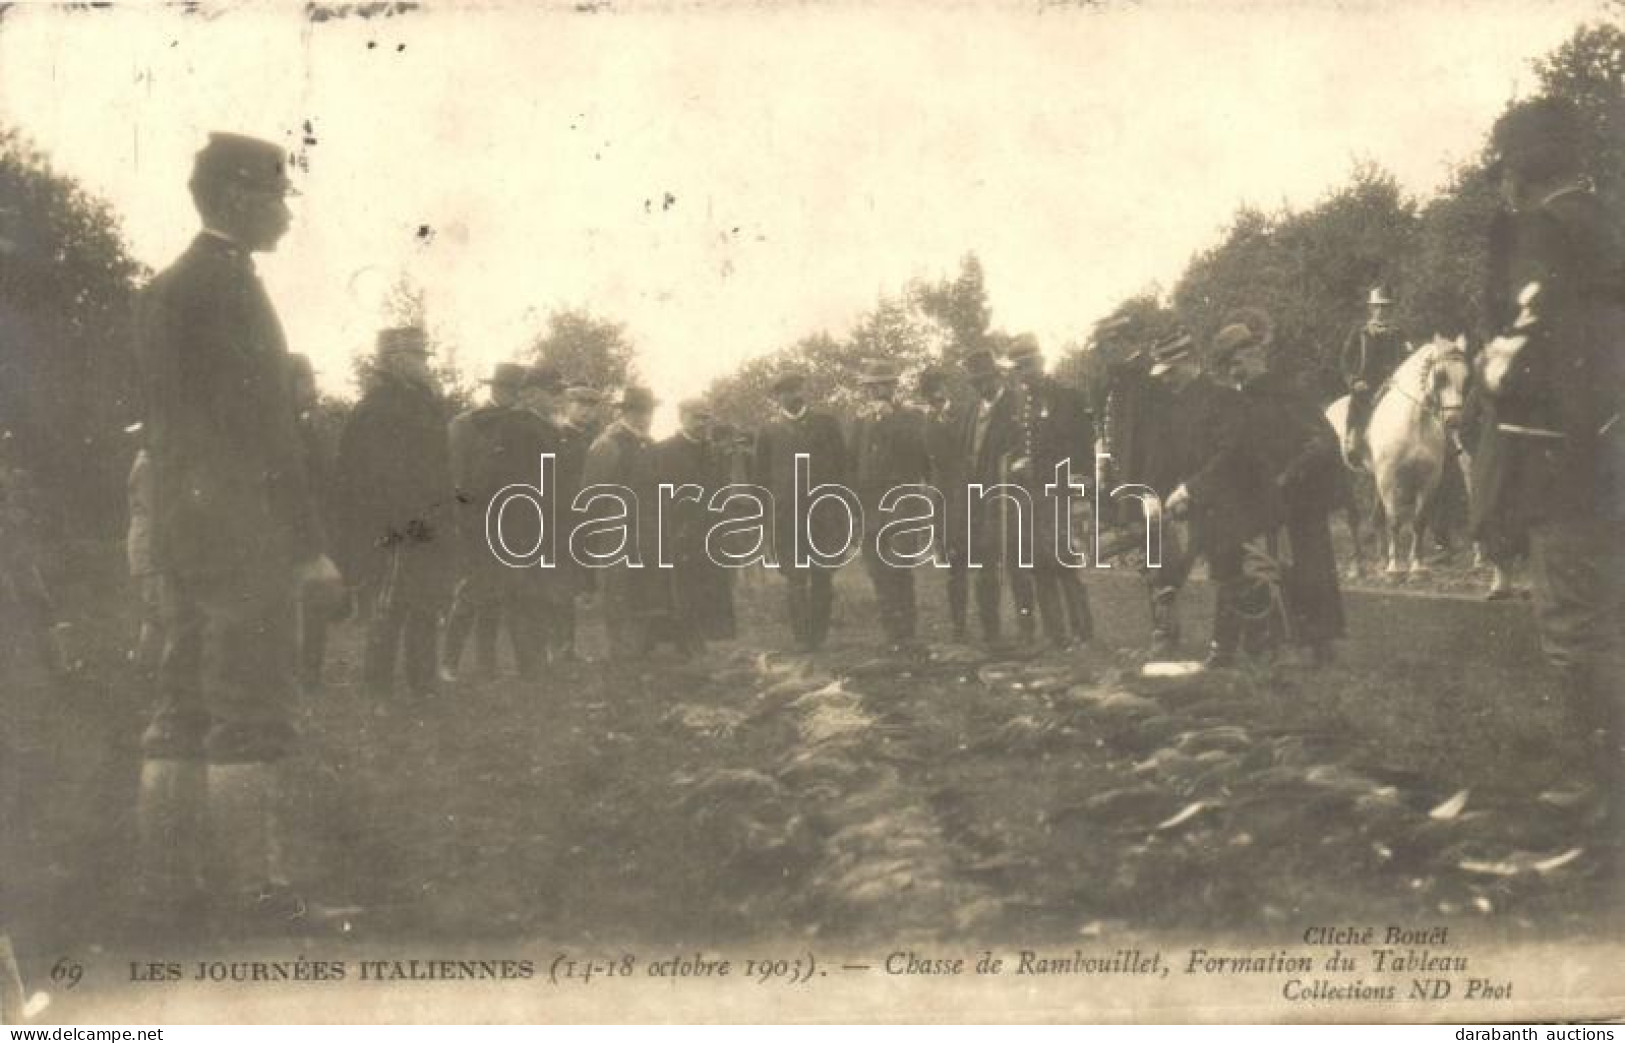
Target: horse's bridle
(1427,401)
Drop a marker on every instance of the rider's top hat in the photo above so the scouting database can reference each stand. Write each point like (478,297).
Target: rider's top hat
(1379,296)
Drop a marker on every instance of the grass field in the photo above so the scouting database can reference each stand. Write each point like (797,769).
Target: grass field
(752,795)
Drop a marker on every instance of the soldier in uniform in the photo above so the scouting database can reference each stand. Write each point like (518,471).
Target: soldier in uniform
(888,451)
(394,470)
(1221,489)
(990,434)
(1298,449)
(1053,425)
(1556,379)
(1370,355)
(698,589)
(235,533)
(623,456)
(945,445)
(801,429)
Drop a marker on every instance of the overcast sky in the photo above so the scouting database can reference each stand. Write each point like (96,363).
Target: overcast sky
(731,177)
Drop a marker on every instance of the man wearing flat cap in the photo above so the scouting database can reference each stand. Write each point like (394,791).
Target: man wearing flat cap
(1555,378)
(491,446)
(235,532)
(398,519)
(799,428)
(889,452)
(633,597)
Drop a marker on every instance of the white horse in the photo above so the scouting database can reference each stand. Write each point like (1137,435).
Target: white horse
(1405,443)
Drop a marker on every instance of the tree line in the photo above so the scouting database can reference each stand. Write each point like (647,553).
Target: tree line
(67,285)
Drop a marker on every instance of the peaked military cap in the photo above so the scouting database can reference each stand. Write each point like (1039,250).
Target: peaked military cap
(242,160)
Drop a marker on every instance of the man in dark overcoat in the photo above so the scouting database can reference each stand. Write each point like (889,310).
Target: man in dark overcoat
(801,429)
(1222,489)
(699,589)
(1556,377)
(1298,449)
(398,518)
(889,453)
(633,597)
(235,532)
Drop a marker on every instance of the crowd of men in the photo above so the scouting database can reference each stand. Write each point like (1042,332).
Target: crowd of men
(252,540)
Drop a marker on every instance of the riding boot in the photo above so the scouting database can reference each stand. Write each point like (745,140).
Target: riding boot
(170,839)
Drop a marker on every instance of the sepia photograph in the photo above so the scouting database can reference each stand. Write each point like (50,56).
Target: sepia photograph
(716,512)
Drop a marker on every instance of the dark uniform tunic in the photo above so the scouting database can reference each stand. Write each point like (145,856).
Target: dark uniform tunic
(398,525)
(888,452)
(810,592)
(233,511)
(1053,424)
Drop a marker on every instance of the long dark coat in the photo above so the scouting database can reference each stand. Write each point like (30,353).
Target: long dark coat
(230,489)
(394,473)
(819,436)
(1212,444)
(699,590)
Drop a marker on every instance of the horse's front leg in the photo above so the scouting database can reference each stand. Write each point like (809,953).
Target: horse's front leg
(1394,528)
(1417,566)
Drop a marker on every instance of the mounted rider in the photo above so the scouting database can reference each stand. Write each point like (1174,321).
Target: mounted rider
(1369,357)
